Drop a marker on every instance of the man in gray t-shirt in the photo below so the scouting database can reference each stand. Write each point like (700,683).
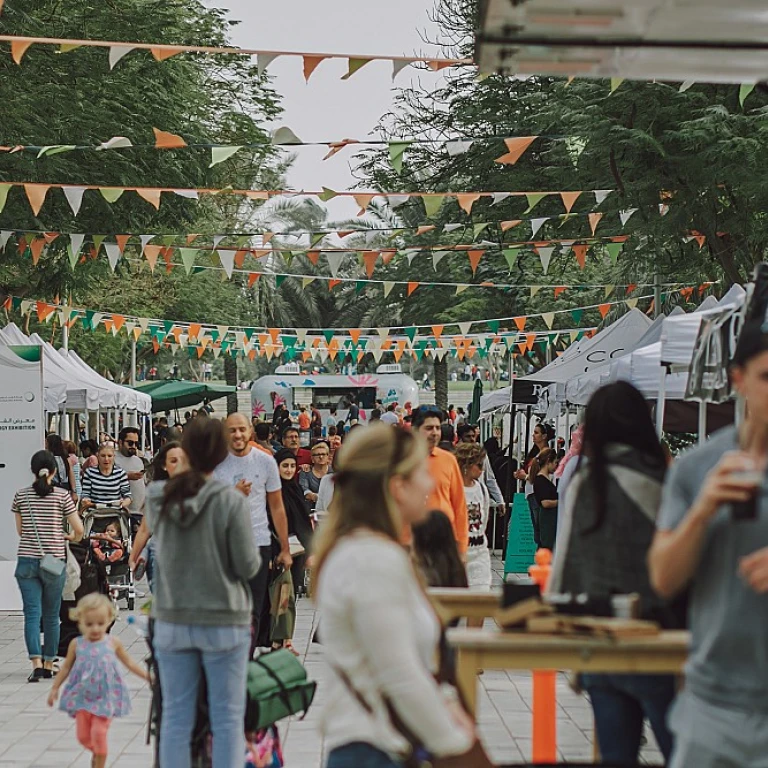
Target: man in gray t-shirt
(721,718)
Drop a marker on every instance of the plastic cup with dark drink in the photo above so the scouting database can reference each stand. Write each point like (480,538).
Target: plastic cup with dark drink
(747,510)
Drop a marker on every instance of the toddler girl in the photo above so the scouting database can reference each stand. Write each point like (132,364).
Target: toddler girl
(96,691)
(108,546)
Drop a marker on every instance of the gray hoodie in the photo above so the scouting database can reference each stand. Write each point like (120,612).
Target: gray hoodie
(205,557)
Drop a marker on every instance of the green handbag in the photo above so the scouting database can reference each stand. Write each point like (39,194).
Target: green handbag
(277,687)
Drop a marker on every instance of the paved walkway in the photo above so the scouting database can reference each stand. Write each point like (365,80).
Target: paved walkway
(33,735)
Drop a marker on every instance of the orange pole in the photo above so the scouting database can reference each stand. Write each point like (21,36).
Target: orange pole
(544,748)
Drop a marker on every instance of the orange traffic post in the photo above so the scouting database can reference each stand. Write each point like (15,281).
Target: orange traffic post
(544,683)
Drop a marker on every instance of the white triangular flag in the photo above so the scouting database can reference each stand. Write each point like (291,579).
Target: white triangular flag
(334,259)
(189,194)
(301,334)
(383,333)
(116,52)
(453,227)
(227,259)
(626,215)
(458,147)
(686,85)
(144,323)
(113,254)
(144,240)
(74,197)
(631,303)
(285,135)
(216,240)
(388,286)
(548,318)
(398,65)
(601,194)
(4,235)
(545,254)
(395,201)
(499,196)
(411,254)
(536,225)
(437,257)
(216,352)
(464,328)
(115,143)
(263,60)
(222,330)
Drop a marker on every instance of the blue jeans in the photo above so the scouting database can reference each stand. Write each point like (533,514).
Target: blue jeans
(620,704)
(41,596)
(183,651)
(360,755)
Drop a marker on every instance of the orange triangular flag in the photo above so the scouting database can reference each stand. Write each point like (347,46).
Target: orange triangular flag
(191,238)
(474,259)
(194,330)
(387,256)
(200,351)
(252,278)
(424,229)
(36,195)
(467,201)
(313,256)
(36,246)
(333,283)
(580,252)
(369,258)
(18,49)
(50,236)
(310,65)
(530,340)
(631,287)
(522,346)
(167,253)
(274,334)
(700,239)
(516,148)
(560,289)
(122,241)
(161,54)
(412,287)
(437,331)
(240,257)
(363,201)
(354,334)
(165,140)
(594,220)
(520,322)
(152,196)
(569,198)
(505,225)
(151,252)
(43,310)
(118,321)
(604,309)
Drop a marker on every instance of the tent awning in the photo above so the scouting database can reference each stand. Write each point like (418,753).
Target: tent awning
(170,394)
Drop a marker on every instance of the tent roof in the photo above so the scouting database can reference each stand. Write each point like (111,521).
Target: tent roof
(170,394)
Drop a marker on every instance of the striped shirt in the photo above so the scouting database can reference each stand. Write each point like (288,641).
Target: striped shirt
(105,489)
(49,513)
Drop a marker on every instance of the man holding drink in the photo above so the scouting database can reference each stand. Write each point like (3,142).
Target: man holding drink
(713,541)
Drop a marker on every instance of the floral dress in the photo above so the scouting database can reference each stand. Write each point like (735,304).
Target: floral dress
(96,683)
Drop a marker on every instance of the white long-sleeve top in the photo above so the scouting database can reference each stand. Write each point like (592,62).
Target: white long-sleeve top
(378,626)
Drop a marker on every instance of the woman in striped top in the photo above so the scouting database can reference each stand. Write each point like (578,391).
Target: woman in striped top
(106,483)
(41,511)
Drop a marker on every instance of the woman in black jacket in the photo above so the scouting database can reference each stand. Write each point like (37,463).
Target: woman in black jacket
(607,528)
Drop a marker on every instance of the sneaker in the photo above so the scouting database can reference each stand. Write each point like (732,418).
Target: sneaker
(36,676)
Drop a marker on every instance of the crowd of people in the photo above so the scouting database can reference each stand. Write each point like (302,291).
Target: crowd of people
(366,517)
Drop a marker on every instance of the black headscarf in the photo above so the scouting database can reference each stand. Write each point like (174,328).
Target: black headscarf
(296,506)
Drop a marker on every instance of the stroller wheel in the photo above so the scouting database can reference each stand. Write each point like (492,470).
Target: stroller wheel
(131,603)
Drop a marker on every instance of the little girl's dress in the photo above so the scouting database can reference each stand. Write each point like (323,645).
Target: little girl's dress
(96,683)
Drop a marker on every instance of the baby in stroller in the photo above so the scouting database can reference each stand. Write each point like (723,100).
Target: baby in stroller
(108,547)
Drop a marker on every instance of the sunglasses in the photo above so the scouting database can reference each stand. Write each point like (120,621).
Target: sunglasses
(428,409)
(132,443)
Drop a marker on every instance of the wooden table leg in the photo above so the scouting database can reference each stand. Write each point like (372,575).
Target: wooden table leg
(466,678)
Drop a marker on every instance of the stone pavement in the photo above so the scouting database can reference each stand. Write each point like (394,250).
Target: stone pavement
(33,735)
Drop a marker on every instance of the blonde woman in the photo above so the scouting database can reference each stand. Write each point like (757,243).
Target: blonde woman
(380,632)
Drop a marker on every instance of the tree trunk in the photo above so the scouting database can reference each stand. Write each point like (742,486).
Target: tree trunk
(441,383)
(230,378)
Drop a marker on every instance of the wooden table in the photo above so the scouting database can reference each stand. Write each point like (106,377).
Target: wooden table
(478,649)
(466,603)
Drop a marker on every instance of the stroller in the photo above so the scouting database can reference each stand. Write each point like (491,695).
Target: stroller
(110,556)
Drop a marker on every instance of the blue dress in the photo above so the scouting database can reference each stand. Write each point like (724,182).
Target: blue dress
(96,683)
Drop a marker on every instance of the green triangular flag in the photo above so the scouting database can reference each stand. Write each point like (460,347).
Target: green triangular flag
(478,228)
(328,335)
(88,319)
(411,333)
(359,286)
(279,280)
(111,195)
(534,198)
(511,254)
(577,314)
(419,353)
(354,66)
(614,249)
(396,152)
(188,258)
(493,325)
(4,189)
(316,238)
(744,90)
(168,325)
(220,154)
(97,241)
(615,83)
(432,205)
(16,302)
(327,194)
(55,150)
(249,332)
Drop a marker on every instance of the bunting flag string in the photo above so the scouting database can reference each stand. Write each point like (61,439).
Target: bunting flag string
(20,44)
(36,193)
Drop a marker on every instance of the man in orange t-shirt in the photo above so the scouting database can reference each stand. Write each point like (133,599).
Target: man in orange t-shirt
(448,492)
(304,419)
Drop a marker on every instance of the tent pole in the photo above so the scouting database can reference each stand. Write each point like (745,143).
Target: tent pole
(133,362)
(702,422)
(656,295)
(65,336)
(660,401)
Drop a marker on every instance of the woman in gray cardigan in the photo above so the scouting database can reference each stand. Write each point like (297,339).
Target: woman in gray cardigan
(202,604)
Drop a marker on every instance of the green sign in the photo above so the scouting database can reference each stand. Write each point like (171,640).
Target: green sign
(28,352)
(521,547)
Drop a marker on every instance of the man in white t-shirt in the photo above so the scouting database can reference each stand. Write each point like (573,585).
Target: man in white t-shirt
(256,475)
(127,458)
(389,416)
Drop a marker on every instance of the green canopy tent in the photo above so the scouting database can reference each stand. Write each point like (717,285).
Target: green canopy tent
(172,394)
(474,408)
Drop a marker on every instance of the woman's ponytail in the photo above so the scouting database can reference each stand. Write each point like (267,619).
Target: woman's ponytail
(43,467)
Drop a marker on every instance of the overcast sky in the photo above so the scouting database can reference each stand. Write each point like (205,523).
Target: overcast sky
(328,108)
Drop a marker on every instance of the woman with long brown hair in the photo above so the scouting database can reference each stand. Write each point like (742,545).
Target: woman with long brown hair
(540,473)
(202,605)
(380,632)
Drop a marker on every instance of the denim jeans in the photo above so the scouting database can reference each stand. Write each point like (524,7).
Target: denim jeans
(183,651)
(620,704)
(41,596)
(360,755)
